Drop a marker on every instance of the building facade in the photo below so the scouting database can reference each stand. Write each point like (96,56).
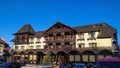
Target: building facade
(4,50)
(82,44)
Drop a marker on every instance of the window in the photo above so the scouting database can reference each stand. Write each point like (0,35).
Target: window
(67,33)
(50,35)
(23,39)
(22,47)
(58,34)
(81,45)
(58,26)
(81,36)
(50,44)
(58,43)
(38,39)
(92,45)
(31,47)
(43,41)
(67,43)
(38,46)
(16,47)
(31,39)
(0,49)
(93,35)
(1,45)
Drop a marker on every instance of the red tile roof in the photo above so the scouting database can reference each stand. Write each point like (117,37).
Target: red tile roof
(2,42)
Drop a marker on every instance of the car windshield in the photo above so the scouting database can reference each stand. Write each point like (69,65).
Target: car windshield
(109,65)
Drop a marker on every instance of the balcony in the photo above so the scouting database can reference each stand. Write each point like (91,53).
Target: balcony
(38,42)
(82,39)
(19,50)
(91,39)
(31,42)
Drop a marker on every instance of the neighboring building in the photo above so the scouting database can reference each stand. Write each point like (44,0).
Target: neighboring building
(4,50)
(76,44)
(1,47)
(96,35)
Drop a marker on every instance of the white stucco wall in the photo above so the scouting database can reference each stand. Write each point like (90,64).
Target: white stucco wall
(34,44)
(103,42)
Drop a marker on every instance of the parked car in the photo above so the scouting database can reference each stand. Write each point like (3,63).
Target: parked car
(79,65)
(45,67)
(94,66)
(10,65)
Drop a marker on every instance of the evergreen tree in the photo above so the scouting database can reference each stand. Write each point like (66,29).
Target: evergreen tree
(47,59)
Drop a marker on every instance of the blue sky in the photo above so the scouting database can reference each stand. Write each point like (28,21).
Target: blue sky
(42,14)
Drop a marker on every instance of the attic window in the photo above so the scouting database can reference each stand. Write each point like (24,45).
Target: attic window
(58,26)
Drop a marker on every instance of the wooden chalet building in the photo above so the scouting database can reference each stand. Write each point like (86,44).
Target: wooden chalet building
(82,44)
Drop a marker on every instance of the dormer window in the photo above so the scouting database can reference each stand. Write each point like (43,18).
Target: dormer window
(58,26)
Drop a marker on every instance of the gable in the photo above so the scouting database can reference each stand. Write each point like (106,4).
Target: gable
(58,27)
